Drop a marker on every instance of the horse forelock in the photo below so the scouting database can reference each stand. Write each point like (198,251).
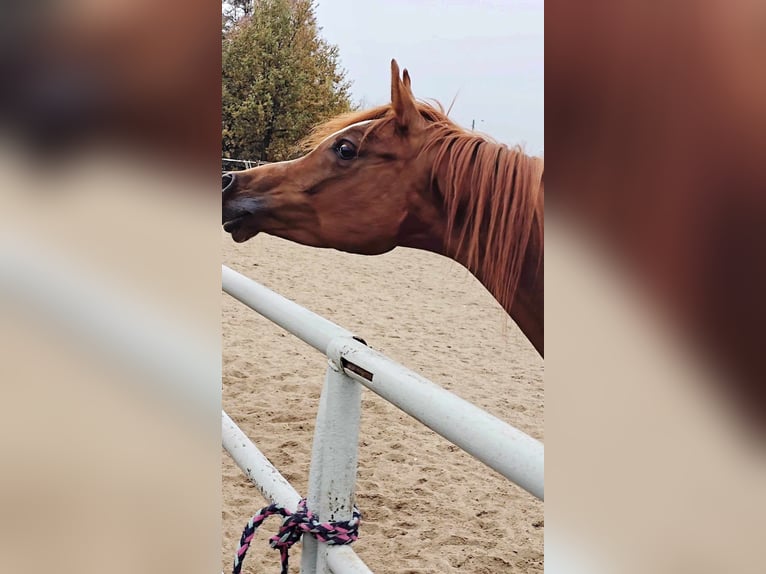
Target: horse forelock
(430,112)
(339,123)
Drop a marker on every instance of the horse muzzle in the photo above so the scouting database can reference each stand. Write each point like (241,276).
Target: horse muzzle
(241,207)
(241,215)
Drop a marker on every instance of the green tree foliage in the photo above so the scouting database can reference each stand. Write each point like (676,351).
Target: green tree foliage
(234,10)
(280,78)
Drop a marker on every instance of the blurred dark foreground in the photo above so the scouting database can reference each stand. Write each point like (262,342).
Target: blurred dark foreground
(656,275)
(137,74)
(109,286)
(658,144)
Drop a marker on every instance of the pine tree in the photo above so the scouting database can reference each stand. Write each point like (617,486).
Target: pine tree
(280,78)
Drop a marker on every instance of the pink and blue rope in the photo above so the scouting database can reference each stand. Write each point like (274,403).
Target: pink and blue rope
(294,525)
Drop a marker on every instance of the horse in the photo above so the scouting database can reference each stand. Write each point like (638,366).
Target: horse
(403,174)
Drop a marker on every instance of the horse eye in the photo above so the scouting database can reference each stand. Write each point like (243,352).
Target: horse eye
(345,150)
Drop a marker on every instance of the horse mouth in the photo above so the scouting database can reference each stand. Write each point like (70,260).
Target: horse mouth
(242,217)
(239,232)
(231,225)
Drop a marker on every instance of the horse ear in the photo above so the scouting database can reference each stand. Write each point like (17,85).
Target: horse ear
(407,81)
(402,100)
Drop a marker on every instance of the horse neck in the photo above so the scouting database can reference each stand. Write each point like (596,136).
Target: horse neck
(525,304)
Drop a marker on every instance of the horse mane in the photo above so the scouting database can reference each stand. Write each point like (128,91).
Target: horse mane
(493,205)
(492,194)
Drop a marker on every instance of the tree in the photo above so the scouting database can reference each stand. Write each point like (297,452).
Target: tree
(280,78)
(234,10)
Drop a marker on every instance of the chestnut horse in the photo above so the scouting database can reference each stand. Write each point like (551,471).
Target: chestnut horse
(403,174)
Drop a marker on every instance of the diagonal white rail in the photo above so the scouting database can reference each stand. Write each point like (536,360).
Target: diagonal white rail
(274,487)
(512,453)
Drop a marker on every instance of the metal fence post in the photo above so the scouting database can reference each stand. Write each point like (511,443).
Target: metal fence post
(332,478)
(309,543)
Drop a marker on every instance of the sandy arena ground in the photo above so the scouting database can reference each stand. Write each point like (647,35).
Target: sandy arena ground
(427,507)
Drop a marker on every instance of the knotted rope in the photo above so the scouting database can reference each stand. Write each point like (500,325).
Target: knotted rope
(294,525)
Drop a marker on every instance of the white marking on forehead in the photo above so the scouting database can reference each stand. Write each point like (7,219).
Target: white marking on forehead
(336,134)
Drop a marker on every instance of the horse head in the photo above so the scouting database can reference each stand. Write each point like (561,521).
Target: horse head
(363,187)
(404,174)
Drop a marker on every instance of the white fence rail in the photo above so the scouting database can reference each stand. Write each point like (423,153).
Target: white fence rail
(229,164)
(274,487)
(515,455)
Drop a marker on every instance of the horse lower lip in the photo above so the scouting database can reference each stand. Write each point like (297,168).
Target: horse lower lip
(232,224)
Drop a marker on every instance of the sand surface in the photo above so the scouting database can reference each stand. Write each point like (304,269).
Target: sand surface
(427,506)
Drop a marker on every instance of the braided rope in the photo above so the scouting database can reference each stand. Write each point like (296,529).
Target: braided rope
(294,525)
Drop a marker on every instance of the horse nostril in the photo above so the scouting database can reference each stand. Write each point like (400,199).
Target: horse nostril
(228,181)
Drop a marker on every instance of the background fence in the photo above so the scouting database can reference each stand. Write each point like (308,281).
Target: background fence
(228,164)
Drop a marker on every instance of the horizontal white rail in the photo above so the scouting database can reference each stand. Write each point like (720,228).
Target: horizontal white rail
(512,453)
(274,487)
(307,326)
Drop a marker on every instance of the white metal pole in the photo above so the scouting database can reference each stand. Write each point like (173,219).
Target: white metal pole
(310,544)
(256,466)
(304,324)
(341,444)
(512,453)
(332,478)
(274,487)
(343,560)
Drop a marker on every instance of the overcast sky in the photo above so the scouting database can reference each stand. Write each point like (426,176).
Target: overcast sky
(490,51)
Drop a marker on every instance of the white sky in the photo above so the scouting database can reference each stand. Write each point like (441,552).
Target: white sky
(490,51)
